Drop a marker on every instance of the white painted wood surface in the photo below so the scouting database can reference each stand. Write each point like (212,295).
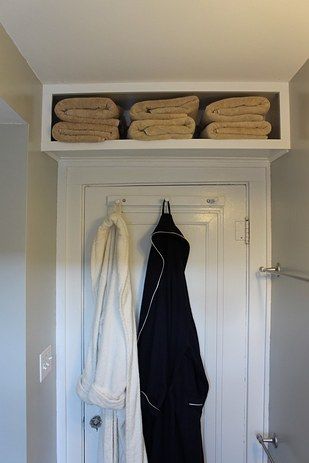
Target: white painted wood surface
(80,177)
(126,93)
(210,231)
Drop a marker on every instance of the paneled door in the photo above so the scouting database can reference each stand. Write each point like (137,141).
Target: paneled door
(212,218)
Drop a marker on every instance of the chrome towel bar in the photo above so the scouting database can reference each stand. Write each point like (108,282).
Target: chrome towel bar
(278,271)
(268,440)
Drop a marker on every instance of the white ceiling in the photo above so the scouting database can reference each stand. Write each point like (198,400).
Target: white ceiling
(159,40)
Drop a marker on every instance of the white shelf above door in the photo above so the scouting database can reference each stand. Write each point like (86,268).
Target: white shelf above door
(127,93)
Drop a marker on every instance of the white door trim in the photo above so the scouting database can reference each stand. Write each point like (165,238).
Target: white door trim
(183,171)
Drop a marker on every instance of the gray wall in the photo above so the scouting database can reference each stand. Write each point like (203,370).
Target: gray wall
(20,88)
(289,374)
(13,184)
(41,315)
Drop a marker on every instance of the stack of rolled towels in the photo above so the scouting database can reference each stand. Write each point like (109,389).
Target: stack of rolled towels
(86,119)
(173,118)
(237,118)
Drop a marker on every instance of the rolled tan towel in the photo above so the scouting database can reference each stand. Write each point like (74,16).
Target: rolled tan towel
(232,130)
(182,128)
(88,109)
(246,108)
(83,133)
(172,108)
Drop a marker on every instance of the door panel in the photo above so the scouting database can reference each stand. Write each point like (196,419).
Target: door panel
(216,277)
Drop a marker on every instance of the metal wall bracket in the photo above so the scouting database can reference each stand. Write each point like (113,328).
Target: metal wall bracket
(273,439)
(275,269)
(278,271)
(268,440)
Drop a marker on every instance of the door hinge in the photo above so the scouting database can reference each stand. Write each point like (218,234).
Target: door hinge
(247,230)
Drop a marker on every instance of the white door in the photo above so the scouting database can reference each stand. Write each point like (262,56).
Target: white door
(212,218)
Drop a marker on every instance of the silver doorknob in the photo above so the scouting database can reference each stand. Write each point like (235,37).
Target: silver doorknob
(96,422)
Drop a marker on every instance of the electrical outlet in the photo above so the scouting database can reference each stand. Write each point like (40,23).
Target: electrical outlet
(45,362)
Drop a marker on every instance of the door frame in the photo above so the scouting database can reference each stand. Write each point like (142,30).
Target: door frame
(77,174)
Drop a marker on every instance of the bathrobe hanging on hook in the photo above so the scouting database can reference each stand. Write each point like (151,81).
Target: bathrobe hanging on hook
(110,378)
(173,382)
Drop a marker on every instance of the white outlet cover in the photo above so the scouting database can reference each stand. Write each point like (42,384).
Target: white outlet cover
(45,363)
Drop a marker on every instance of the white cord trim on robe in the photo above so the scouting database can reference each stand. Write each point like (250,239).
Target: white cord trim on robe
(110,378)
(153,295)
(149,401)
(170,233)
(160,276)
(155,290)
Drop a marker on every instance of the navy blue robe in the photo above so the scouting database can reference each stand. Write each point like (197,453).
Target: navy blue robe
(174,386)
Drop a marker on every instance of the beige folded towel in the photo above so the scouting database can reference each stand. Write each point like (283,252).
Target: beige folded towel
(83,133)
(182,128)
(88,109)
(246,108)
(172,108)
(232,130)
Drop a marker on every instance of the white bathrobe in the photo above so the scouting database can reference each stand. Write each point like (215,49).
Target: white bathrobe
(111,378)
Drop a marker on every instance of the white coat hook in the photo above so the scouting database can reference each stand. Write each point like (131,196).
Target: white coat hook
(118,205)
(167,200)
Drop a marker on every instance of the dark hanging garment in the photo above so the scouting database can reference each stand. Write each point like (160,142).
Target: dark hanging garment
(174,386)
